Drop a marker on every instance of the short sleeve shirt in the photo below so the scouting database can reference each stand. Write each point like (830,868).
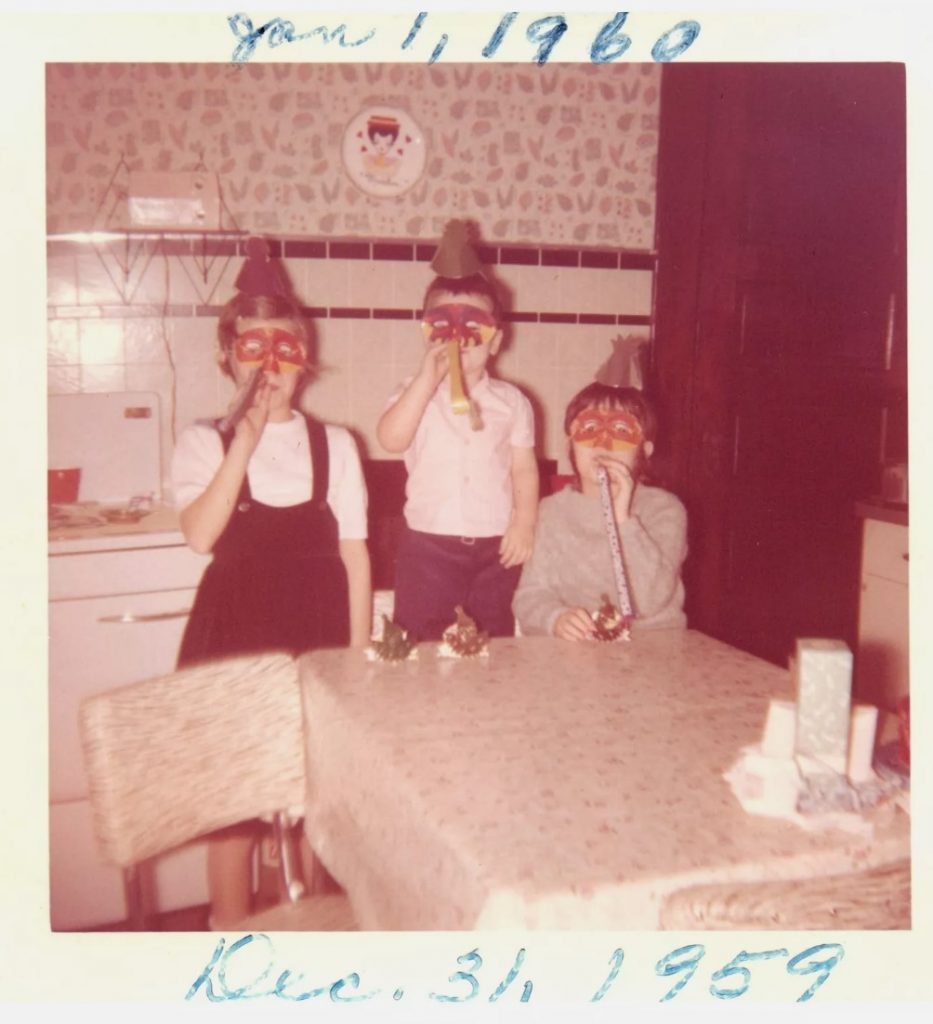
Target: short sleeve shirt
(279,470)
(459,479)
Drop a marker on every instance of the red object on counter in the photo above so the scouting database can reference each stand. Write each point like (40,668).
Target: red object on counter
(63,486)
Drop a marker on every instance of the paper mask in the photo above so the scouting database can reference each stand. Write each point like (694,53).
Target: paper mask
(613,429)
(456,321)
(271,348)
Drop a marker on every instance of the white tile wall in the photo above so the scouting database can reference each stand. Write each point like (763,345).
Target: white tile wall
(362,361)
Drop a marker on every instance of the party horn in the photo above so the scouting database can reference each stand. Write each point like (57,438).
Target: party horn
(459,401)
(615,548)
(237,413)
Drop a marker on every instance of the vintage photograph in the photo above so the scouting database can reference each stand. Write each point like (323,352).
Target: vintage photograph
(477,496)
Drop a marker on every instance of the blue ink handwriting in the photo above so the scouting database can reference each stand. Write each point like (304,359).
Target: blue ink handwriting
(543,33)
(259,977)
(279,31)
(546,32)
(222,960)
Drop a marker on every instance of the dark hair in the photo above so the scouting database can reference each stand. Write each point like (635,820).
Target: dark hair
(630,400)
(474,284)
(259,307)
(377,126)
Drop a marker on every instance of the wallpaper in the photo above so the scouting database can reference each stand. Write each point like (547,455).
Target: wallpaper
(564,154)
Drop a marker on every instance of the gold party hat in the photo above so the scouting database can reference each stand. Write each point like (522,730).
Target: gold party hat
(456,255)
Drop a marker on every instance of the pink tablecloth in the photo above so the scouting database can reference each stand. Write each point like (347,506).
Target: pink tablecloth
(550,785)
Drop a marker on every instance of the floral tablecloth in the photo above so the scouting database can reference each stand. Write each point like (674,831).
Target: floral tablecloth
(550,784)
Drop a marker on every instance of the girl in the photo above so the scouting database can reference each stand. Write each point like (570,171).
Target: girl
(280,502)
(571,568)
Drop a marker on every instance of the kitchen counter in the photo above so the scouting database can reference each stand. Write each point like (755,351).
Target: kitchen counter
(885,511)
(157,527)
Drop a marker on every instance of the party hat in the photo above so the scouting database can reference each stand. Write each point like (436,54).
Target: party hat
(456,255)
(625,367)
(260,274)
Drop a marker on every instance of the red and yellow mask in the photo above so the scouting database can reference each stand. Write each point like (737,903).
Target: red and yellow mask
(457,321)
(270,348)
(612,429)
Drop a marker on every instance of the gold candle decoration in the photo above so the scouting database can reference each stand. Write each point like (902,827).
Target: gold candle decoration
(864,722)
(780,729)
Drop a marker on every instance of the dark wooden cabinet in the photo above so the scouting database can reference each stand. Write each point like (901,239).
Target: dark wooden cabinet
(780,354)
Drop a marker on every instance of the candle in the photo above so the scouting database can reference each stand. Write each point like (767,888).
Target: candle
(780,729)
(824,691)
(862,742)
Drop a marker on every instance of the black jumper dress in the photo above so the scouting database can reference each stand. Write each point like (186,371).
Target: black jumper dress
(276,581)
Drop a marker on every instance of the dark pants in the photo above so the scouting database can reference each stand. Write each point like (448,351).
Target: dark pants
(435,573)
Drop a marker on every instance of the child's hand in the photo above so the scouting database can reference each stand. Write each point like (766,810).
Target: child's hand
(434,365)
(621,484)
(517,543)
(574,624)
(250,428)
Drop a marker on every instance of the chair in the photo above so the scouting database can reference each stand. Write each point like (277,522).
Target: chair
(877,899)
(175,757)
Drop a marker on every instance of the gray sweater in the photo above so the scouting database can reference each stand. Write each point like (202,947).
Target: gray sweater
(571,565)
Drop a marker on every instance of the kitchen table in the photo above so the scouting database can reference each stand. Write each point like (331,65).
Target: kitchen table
(550,784)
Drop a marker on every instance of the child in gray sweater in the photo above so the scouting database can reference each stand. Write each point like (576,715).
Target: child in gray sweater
(571,566)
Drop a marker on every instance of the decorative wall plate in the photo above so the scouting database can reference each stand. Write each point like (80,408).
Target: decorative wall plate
(383,151)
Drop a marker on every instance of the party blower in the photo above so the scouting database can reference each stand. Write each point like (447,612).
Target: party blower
(229,422)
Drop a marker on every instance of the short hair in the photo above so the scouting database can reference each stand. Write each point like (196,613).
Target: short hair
(260,307)
(629,400)
(474,284)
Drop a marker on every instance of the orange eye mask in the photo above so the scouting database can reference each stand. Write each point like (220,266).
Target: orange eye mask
(612,429)
(456,321)
(270,348)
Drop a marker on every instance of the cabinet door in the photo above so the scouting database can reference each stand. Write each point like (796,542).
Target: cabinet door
(779,318)
(883,670)
(87,893)
(96,644)
(84,891)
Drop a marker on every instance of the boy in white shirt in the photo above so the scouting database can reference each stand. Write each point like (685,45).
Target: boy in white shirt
(472,493)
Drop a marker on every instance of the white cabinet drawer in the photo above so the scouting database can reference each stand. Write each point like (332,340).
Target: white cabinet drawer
(128,571)
(96,644)
(885,551)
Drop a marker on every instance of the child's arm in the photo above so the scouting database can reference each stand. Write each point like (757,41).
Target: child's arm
(518,540)
(654,541)
(355,557)
(538,601)
(397,425)
(205,518)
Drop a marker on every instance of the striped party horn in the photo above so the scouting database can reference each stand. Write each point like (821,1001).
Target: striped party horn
(615,547)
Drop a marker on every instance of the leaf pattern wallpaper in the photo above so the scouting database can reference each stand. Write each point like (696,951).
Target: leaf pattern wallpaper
(563,154)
